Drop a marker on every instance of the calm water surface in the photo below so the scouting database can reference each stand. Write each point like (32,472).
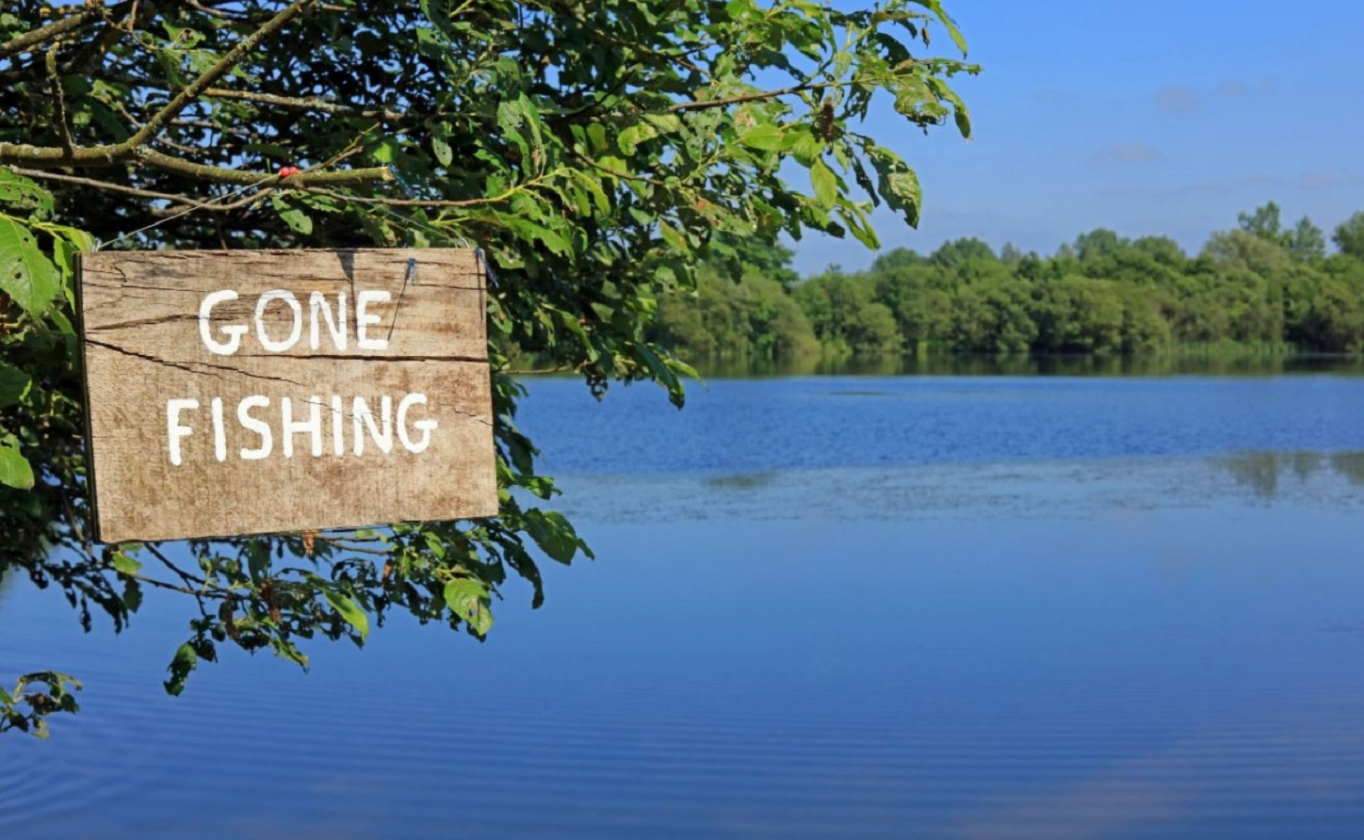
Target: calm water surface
(845,606)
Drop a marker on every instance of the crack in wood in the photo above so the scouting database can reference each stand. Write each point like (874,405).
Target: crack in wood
(188,366)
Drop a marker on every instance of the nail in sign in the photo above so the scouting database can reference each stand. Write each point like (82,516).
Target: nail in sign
(243,392)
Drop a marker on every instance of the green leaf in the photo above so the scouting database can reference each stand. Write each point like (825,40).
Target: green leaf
(438,12)
(596,134)
(26,275)
(766,137)
(440,144)
(15,470)
(633,135)
(257,553)
(959,112)
(132,595)
(125,564)
(350,611)
(469,600)
(23,193)
(182,37)
(185,661)
(553,533)
(898,184)
(295,218)
(824,181)
(14,384)
(665,123)
(673,237)
(805,147)
(80,239)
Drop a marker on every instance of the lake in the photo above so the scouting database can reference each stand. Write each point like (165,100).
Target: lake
(928,606)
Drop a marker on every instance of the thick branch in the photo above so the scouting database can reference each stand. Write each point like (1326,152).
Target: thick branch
(42,157)
(204,172)
(38,37)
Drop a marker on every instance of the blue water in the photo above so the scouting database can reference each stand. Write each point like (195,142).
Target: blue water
(839,422)
(821,607)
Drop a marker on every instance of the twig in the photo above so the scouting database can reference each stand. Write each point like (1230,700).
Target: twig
(753,97)
(312,103)
(332,541)
(625,176)
(106,186)
(537,371)
(412,202)
(58,97)
(433,202)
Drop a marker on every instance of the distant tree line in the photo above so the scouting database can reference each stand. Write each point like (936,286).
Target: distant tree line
(1261,286)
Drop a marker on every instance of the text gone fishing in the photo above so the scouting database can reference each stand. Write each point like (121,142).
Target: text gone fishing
(334,425)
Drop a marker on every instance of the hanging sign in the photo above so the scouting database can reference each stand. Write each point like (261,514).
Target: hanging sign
(243,392)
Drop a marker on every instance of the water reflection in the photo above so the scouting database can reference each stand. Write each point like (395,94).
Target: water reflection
(741,481)
(974,491)
(1275,474)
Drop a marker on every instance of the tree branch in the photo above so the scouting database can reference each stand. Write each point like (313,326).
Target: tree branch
(217,71)
(312,103)
(44,157)
(753,97)
(150,195)
(132,149)
(92,12)
(204,172)
(58,98)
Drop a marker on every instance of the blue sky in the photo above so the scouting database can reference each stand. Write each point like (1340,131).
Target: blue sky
(1148,118)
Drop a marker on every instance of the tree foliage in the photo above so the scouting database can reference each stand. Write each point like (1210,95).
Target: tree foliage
(1255,286)
(598,153)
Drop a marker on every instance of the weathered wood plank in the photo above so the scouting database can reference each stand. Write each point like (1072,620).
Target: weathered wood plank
(182,397)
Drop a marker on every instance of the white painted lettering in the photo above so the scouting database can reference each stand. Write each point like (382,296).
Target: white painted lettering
(423,426)
(338,427)
(263,429)
(234,332)
(313,425)
(215,407)
(294,334)
(317,302)
(363,319)
(174,429)
(365,418)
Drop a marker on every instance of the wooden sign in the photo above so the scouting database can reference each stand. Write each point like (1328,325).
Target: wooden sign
(241,392)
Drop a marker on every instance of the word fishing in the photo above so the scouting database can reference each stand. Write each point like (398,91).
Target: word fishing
(352,425)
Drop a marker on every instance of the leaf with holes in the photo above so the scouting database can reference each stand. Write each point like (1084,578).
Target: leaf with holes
(20,192)
(470,601)
(26,275)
